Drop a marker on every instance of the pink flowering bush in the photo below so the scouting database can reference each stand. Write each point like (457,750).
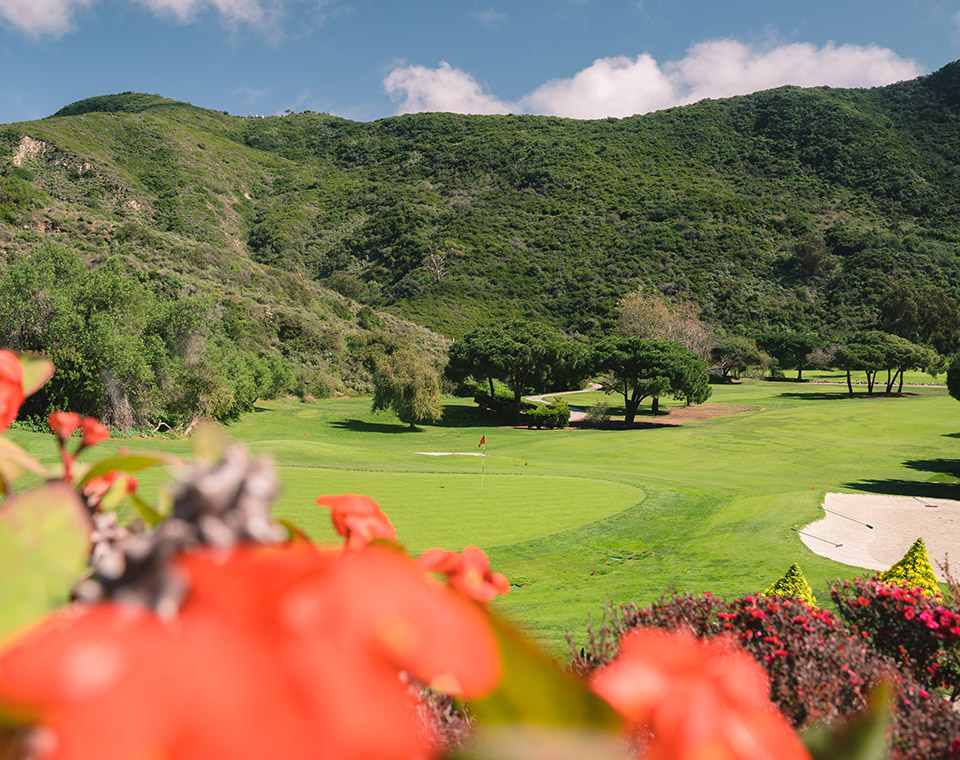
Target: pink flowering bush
(919,631)
(820,669)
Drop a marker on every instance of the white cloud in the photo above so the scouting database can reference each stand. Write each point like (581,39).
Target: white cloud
(490,17)
(624,86)
(53,17)
(441,89)
(234,11)
(610,87)
(39,17)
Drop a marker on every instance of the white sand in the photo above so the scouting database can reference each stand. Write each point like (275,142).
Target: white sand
(451,453)
(897,522)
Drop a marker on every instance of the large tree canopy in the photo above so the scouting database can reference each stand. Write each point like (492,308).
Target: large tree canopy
(873,351)
(520,352)
(640,367)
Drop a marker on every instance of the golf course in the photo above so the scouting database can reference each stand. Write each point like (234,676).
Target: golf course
(578,518)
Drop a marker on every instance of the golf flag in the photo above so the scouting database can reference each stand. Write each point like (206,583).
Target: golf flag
(483,457)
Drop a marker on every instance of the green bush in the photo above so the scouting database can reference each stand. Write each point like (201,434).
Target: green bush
(914,570)
(556,414)
(793,584)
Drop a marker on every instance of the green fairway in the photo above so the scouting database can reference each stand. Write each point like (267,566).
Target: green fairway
(577,518)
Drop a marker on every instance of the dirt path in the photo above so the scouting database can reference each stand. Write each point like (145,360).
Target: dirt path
(574,415)
(874,531)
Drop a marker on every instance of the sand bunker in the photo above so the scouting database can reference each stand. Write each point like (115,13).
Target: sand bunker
(897,521)
(451,453)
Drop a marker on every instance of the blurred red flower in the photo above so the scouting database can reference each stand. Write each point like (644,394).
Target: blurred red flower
(63,424)
(11,388)
(358,519)
(468,572)
(278,652)
(695,698)
(93,432)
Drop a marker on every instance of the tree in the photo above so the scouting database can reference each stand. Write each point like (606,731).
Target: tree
(793,347)
(860,355)
(519,352)
(928,315)
(404,382)
(874,351)
(641,367)
(644,314)
(734,354)
(953,376)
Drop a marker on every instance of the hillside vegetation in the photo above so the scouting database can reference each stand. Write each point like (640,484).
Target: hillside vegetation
(787,208)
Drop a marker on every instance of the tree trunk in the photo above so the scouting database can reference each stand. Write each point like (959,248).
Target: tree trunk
(871,377)
(849,383)
(655,405)
(491,386)
(900,387)
(630,410)
(889,382)
(799,369)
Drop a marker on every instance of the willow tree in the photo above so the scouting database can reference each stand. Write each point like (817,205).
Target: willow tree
(405,382)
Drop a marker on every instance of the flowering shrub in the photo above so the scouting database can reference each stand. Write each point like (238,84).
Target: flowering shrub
(914,629)
(820,670)
(914,570)
(793,584)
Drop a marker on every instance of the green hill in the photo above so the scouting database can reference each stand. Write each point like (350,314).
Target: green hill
(787,207)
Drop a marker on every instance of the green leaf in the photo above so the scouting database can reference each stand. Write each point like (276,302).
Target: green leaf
(14,462)
(129,463)
(534,690)
(36,371)
(861,738)
(294,533)
(151,516)
(44,544)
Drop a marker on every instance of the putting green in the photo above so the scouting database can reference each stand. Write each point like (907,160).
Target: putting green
(450,510)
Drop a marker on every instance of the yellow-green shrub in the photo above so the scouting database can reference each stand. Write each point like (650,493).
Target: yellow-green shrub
(793,584)
(913,570)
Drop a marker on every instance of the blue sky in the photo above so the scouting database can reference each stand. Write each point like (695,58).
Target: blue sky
(365,59)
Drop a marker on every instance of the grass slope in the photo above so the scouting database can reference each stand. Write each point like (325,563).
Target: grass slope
(583,517)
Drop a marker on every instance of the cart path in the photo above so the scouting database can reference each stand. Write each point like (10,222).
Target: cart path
(574,415)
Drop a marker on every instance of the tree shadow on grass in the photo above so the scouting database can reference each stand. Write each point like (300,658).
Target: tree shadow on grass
(457,415)
(908,488)
(362,426)
(951,435)
(838,395)
(940,466)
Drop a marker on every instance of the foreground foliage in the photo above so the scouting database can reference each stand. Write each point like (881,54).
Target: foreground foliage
(216,632)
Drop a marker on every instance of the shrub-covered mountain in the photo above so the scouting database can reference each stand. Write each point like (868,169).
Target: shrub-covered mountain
(793,206)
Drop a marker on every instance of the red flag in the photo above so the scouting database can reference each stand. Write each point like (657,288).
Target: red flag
(482,441)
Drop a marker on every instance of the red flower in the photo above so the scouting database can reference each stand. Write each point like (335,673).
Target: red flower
(468,572)
(63,424)
(358,519)
(695,698)
(98,487)
(278,652)
(11,388)
(93,432)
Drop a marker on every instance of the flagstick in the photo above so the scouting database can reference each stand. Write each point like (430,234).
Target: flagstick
(483,463)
